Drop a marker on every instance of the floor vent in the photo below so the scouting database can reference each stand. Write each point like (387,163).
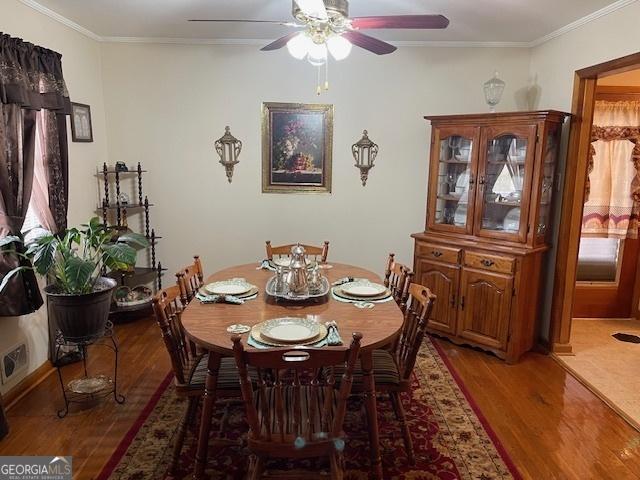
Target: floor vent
(14,361)
(626,337)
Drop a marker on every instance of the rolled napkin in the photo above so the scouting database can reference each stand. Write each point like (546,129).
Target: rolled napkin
(333,335)
(342,281)
(219,299)
(266,265)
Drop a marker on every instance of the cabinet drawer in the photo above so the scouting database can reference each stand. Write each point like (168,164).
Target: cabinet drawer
(438,252)
(493,263)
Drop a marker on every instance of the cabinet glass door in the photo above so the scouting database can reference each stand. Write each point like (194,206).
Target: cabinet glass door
(504,182)
(550,158)
(452,185)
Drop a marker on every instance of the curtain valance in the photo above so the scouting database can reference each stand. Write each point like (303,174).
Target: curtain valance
(31,76)
(612,196)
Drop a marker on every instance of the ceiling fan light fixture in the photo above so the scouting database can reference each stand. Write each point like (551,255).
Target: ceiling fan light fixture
(299,46)
(317,54)
(339,47)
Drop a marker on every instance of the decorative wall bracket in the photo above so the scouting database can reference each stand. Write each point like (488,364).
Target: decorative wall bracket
(228,148)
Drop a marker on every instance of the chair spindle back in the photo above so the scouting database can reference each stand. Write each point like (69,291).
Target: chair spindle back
(296,401)
(397,278)
(419,306)
(190,279)
(318,253)
(167,307)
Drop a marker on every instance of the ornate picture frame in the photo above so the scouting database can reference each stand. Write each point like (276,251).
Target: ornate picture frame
(81,125)
(297,145)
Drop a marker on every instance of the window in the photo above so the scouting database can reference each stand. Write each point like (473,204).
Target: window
(599,259)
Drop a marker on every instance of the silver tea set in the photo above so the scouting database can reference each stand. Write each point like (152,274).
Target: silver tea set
(298,281)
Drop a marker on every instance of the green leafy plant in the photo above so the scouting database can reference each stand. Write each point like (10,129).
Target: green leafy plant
(76,260)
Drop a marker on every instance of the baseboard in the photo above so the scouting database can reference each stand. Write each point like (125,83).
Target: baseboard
(27,384)
(562,349)
(596,392)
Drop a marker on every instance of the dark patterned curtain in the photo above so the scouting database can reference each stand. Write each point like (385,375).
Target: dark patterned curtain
(30,80)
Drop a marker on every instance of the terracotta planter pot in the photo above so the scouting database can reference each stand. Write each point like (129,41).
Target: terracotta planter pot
(81,316)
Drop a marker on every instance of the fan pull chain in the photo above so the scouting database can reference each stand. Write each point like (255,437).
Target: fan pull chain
(319,88)
(326,75)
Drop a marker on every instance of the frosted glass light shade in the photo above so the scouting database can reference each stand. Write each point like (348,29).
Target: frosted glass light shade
(299,46)
(339,47)
(317,54)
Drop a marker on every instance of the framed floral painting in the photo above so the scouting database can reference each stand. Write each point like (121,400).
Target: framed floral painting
(297,142)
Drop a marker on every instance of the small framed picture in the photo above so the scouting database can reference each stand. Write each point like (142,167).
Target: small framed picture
(81,128)
(296,148)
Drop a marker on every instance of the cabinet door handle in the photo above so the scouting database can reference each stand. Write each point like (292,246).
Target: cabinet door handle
(436,253)
(472,182)
(462,302)
(482,182)
(488,263)
(453,301)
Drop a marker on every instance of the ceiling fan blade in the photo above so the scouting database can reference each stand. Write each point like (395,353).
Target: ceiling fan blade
(401,21)
(277,22)
(313,8)
(369,43)
(279,43)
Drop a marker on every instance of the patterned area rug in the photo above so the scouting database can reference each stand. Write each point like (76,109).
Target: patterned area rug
(451,438)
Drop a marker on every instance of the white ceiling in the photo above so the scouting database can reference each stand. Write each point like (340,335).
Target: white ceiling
(471,20)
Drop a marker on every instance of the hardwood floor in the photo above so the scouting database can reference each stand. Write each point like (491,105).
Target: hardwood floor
(552,426)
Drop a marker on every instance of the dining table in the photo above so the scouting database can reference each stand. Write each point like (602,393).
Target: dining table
(206,325)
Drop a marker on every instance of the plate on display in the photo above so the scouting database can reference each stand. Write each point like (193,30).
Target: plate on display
(460,217)
(235,286)
(289,330)
(511,221)
(363,288)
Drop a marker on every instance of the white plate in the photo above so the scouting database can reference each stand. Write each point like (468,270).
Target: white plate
(512,220)
(228,287)
(460,217)
(290,330)
(363,289)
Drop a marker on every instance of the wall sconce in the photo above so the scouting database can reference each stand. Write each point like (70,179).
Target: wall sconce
(493,90)
(365,153)
(228,148)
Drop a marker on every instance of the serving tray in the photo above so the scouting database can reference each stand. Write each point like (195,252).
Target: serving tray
(315,297)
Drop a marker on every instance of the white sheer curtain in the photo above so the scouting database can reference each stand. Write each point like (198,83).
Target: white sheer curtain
(611,208)
(39,216)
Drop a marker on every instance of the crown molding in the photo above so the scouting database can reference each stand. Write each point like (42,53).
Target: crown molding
(265,41)
(63,20)
(583,21)
(255,41)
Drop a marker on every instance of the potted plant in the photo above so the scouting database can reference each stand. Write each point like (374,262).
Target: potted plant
(79,295)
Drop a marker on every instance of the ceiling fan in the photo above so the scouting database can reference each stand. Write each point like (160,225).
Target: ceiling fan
(327,28)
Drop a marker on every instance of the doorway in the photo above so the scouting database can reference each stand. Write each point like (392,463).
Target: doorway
(595,331)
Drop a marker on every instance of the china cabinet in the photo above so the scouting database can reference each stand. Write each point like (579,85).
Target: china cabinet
(489,213)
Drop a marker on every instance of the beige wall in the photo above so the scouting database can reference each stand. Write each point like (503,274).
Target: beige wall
(553,66)
(166,104)
(82,72)
(554,63)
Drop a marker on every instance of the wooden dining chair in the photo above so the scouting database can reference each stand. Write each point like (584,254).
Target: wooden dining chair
(188,364)
(392,369)
(190,279)
(397,278)
(294,412)
(319,253)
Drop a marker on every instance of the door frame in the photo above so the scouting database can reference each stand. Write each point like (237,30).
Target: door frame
(575,177)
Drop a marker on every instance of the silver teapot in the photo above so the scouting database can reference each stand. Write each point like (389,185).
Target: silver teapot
(296,280)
